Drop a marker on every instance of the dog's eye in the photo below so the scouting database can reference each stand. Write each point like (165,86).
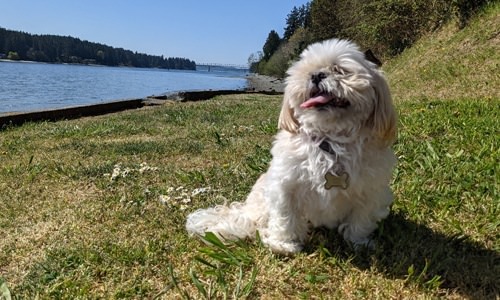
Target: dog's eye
(337,70)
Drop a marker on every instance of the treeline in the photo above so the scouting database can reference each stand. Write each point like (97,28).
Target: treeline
(385,26)
(17,45)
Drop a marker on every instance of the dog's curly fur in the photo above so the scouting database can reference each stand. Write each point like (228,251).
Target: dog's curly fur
(337,118)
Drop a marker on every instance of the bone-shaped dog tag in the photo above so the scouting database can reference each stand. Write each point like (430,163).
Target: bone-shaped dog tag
(332,180)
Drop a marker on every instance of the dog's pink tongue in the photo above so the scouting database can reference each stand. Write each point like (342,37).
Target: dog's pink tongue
(315,101)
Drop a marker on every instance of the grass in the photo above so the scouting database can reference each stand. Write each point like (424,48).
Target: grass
(451,62)
(95,207)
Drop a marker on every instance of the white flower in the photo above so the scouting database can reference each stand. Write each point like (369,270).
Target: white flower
(165,199)
(200,191)
(144,168)
(180,197)
(116,172)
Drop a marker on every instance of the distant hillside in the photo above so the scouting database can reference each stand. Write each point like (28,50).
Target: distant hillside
(451,63)
(65,49)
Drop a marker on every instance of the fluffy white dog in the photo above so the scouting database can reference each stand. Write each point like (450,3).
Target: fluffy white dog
(332,158)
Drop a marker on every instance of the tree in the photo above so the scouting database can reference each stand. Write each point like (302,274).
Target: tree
(305,15)
(297,18)
(324,21)
(13,55)
(271,45)
(100,56)
(66,49)
(253,61)
(292,23)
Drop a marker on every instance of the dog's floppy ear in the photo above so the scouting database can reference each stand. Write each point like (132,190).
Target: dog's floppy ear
(287,120)
(369,56)
(383,119)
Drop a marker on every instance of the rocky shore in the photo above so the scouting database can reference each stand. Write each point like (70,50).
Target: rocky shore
(256,83)
(262,83)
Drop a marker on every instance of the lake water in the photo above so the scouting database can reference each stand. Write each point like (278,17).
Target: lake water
(27,86)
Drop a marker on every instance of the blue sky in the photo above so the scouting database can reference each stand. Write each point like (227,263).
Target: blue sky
(217,31)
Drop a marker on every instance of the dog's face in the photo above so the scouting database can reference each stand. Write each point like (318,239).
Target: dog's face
(334,89)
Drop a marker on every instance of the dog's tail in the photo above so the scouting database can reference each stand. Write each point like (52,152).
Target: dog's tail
(238,220)
(229,222)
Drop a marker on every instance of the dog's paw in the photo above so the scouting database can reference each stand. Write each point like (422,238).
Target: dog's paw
(358,242)
(282,247)
(364,244)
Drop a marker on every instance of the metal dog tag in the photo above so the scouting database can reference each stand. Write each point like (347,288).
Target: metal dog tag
(333,180)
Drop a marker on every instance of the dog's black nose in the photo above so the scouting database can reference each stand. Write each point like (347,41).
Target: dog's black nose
(317,77)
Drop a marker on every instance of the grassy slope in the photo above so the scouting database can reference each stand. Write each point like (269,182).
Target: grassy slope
(68,230)
(451,63)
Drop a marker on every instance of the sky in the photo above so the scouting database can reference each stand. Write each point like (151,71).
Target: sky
(215,31)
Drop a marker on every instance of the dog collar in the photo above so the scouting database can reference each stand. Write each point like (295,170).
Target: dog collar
(325,146)
(334,178)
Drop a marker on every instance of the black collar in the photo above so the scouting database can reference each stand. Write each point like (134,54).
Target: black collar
(325,146)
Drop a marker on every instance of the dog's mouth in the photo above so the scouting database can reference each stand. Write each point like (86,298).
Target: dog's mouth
(323,100)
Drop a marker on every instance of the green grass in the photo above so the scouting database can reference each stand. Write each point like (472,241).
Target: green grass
(70,230)
(95,207)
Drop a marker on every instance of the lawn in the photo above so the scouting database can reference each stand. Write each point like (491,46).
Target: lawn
(95,207)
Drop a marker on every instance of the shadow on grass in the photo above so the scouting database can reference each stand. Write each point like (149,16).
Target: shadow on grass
(407,250)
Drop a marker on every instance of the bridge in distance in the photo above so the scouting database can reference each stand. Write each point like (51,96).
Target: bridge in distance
(216,66)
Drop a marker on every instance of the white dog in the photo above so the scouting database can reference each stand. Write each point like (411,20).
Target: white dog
(332,159)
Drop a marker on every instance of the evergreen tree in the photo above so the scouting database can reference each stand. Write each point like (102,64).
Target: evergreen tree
(297,18)
(271,45)
(292,23)
(305,15)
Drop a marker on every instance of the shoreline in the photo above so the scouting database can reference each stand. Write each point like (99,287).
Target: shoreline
(258,84)
(264,83)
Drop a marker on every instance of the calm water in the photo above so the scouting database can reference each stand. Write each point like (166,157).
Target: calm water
(26,86)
